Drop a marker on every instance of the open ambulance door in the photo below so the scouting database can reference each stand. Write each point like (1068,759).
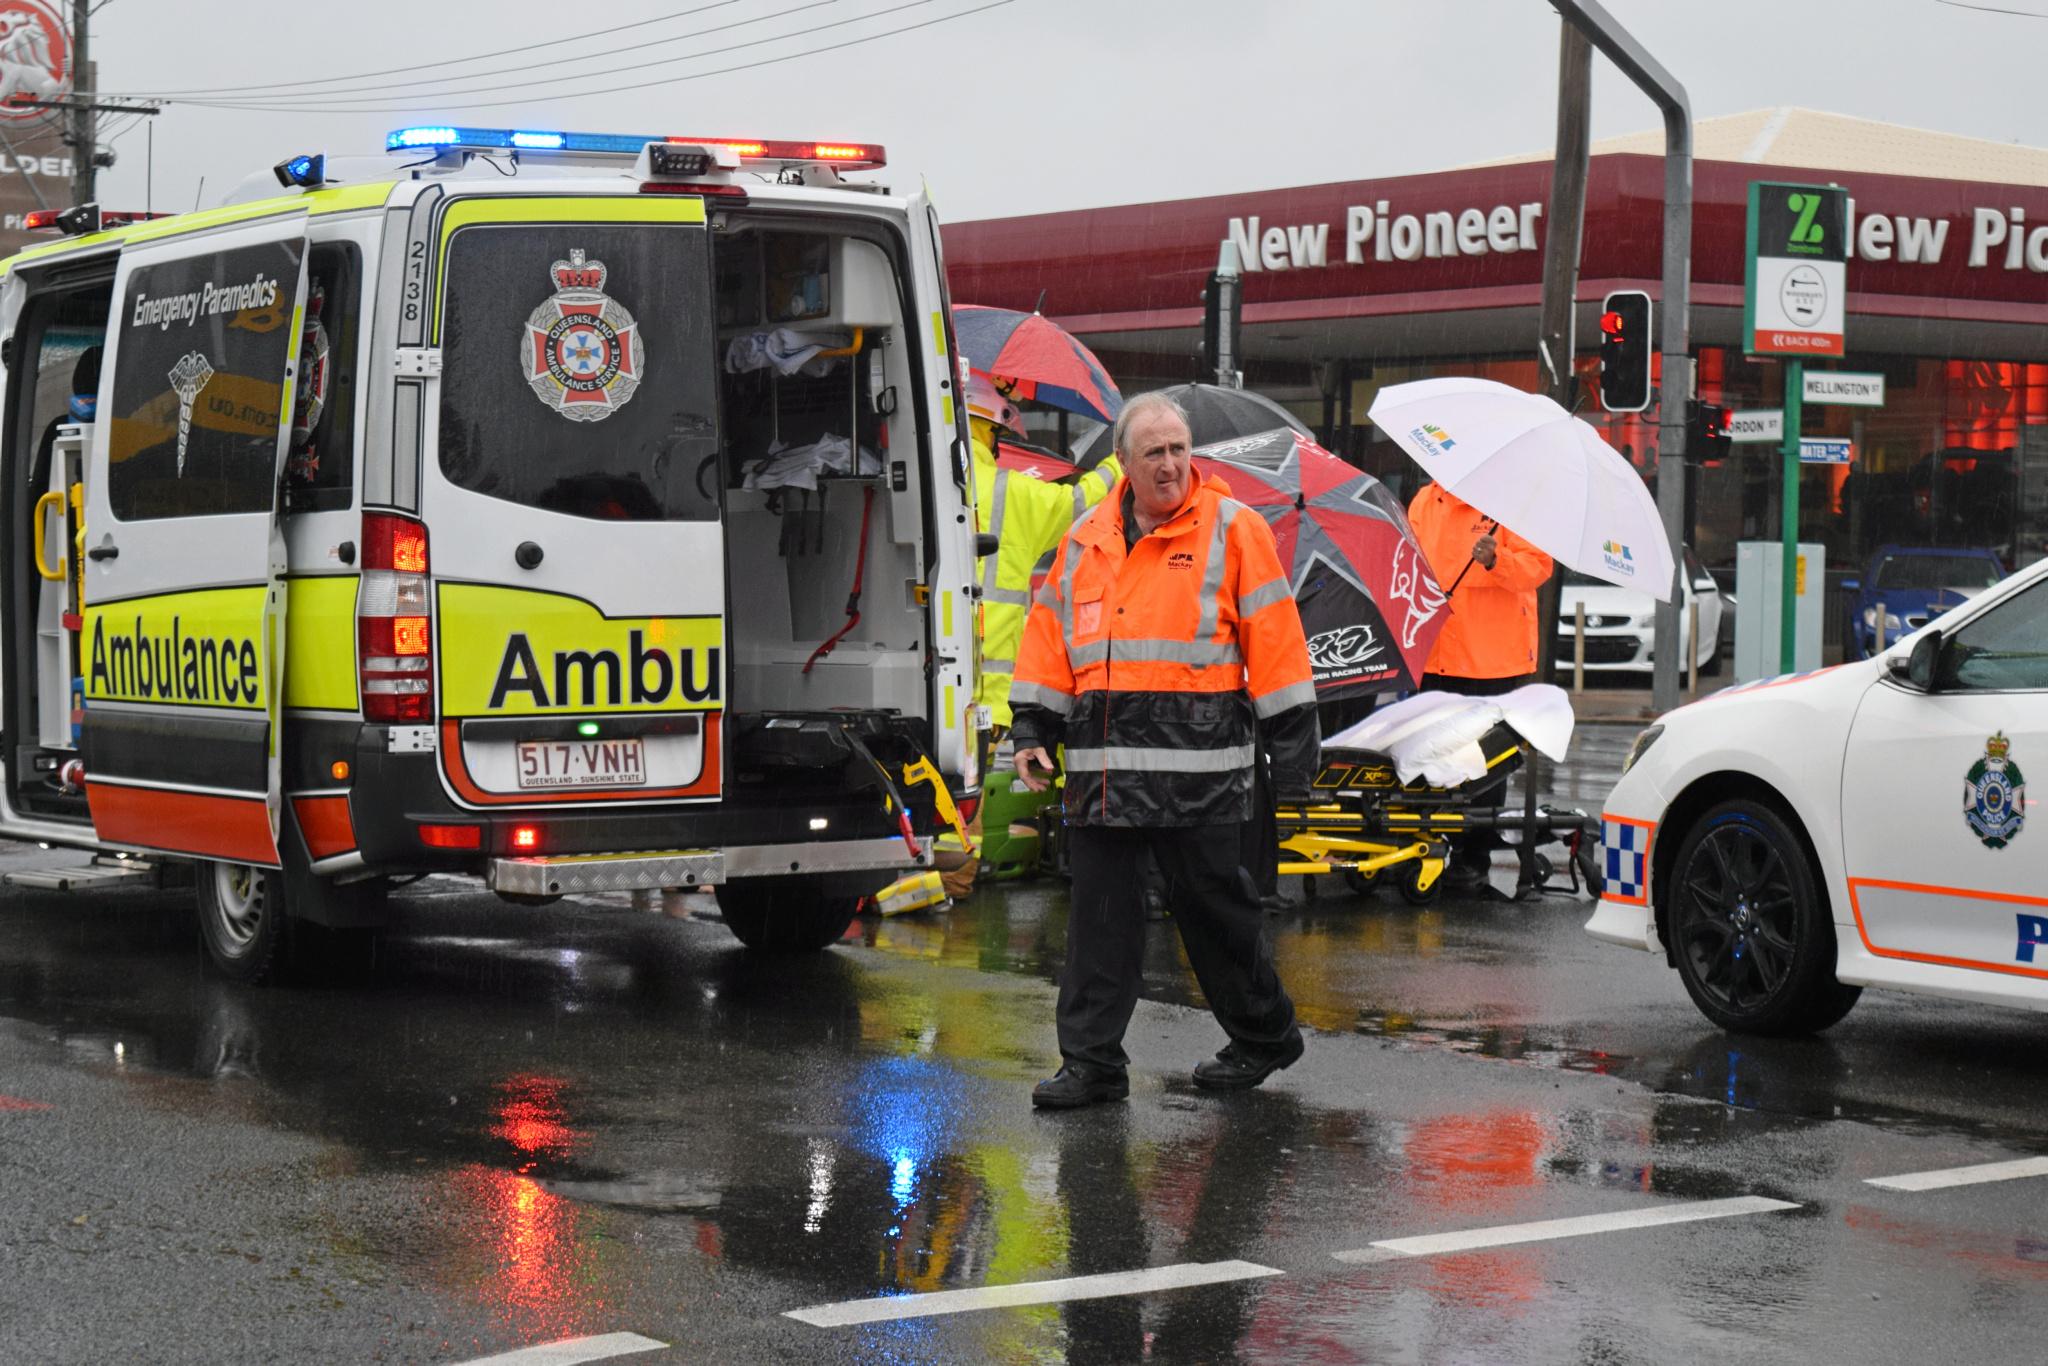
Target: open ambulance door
(183,646)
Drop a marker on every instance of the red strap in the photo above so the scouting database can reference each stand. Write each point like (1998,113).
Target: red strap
(860,570)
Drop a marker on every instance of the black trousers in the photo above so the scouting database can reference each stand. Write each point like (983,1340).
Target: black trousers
(1216,910)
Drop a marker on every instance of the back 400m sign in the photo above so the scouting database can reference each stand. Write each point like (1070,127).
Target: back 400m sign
(1796,288)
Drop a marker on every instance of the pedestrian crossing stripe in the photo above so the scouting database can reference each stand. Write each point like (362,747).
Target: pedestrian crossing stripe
(1625,857)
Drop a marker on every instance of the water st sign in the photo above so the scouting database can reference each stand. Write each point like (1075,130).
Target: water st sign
(1821,450)
(1757,426)
(1795,290)
(1858,389)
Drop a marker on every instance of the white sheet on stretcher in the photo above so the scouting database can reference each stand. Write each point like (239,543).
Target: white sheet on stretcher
(1435,735)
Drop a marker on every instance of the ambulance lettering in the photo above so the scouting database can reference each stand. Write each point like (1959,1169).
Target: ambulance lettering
(171,666)
(590,678)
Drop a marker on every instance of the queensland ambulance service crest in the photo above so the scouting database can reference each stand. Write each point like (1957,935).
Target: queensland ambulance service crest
(1995,795)
(582,351)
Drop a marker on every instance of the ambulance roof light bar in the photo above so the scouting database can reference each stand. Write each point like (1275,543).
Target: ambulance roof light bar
(82,220)
(849,156)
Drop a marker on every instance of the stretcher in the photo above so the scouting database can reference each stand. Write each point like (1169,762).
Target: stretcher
(1392,793)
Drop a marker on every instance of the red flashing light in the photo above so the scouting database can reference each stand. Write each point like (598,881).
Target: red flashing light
(736,195)
(452,836)
(852,155)
(1610,323)
(526,837)
(40,220)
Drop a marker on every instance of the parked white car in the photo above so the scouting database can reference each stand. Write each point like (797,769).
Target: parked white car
(1787,843)
(1621,621)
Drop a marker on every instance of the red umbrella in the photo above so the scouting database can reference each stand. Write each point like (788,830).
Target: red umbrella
(1370,606)
(1039,360)
(1031,460)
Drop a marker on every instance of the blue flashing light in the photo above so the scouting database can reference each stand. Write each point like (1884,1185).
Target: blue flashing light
(545,142)
(530,140)
(625,144)
(299,167)
(422,137)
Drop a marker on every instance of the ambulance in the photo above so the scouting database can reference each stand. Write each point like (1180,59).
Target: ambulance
(578,512)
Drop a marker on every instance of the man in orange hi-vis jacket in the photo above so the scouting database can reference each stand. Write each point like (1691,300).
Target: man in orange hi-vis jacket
(1164,649)
(1489,644)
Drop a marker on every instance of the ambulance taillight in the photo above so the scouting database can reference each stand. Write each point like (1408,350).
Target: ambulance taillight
(395,636)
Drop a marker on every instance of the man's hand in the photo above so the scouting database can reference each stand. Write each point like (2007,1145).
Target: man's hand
(1483,550)
(1023,760)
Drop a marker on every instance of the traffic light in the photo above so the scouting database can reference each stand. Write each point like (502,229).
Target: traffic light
(1625,351)
(1708,429)
(1215,309)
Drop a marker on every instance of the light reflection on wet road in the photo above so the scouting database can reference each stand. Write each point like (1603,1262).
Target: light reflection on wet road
(528,1125)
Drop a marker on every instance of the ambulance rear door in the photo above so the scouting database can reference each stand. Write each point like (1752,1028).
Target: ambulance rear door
(571,494)
(183,649)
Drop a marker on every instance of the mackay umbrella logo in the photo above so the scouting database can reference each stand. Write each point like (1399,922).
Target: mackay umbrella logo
(582,352)
(1995,795)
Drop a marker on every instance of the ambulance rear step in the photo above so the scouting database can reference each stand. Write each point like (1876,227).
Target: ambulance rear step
(102,872)
(567,874)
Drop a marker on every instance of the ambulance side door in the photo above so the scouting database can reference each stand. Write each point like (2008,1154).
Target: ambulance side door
(1947,860)
(183,649)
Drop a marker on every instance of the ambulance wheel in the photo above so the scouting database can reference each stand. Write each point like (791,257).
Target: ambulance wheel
(785,914)
(1751,932)
(1412,890)
(242,919)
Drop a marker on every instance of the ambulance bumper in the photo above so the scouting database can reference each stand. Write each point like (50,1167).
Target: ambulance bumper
(568,874)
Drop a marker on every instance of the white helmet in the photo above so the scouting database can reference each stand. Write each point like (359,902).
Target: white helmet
(986,401)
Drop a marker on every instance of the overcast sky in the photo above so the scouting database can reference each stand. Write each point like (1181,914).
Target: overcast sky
(1036,104)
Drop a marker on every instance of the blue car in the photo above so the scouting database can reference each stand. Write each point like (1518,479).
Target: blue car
(1911,586)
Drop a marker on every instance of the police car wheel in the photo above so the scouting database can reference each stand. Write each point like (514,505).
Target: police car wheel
(785,914)
(1750,929)
(242,919)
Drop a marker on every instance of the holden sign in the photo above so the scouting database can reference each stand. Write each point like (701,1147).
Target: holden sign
(1797,280)
(35,58)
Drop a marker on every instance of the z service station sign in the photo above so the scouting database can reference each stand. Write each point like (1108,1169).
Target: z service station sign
(1796,290)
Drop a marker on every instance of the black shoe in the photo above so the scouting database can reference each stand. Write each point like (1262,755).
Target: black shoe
(1073,1087)
(1238,1068)
(1468,875)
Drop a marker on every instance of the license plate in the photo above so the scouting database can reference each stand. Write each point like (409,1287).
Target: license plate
(582,763)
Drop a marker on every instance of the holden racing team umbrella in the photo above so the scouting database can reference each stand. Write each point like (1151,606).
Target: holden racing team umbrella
(1536,470)
(1368,602)
(1036,360)
(1214,414)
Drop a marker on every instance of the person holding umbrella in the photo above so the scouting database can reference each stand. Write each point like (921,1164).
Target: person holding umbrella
(1488,646)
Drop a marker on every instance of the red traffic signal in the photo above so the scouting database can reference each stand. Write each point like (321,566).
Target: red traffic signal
(1625,351)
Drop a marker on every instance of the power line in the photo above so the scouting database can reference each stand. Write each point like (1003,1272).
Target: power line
(449,61)
(437,84)
(1993,9)
(641,85)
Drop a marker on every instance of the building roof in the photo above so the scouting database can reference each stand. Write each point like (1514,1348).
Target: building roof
(1789,136)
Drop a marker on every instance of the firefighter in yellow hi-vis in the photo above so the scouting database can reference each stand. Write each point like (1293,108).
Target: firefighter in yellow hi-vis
(1027,517)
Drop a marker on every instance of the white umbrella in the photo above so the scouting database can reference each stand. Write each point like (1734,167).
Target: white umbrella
(1538,471)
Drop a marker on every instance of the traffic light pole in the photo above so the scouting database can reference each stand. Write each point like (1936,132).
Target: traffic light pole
(1788,590)
(1675,386)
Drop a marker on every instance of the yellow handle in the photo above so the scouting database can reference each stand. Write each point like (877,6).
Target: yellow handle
(854,350)
(56,497)
(922,770)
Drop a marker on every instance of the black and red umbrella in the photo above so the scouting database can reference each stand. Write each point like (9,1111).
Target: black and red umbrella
(1368,602)
(1035,359)
(1036,461)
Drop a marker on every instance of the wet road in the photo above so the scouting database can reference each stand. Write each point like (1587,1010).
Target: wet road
(522,1126)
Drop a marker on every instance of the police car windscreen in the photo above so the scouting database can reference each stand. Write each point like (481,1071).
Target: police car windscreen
(579,369)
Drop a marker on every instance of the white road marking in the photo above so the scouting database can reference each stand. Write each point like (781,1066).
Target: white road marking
(1028,1292)
(1962,1176)
(1503,1235)
(570,1351)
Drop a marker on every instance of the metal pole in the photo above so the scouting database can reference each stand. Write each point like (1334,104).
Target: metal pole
(84,129)
(1675,386)
(1788,520)
(1228,282)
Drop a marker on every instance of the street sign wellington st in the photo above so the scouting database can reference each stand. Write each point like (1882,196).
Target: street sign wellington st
(1858,389)
(1796,289)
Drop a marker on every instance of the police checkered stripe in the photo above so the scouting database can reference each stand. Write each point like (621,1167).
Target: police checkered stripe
(1625,847)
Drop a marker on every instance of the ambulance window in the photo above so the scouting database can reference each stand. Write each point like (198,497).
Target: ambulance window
(321,459)
(2004,650)
(66,377)
(198,383)
(578,369)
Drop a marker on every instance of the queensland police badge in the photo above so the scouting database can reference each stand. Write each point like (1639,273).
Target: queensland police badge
(582,351)
(1995,795)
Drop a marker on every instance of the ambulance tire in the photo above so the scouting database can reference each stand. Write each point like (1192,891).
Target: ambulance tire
(1750,928)
(243,922)
(785,915)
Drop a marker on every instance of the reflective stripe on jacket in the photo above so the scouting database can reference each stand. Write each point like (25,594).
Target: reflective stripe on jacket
(1491,632)
(1027,517)
(1162,669)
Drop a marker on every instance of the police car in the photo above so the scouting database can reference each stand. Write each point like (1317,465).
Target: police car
(1786,843)
(581,512)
